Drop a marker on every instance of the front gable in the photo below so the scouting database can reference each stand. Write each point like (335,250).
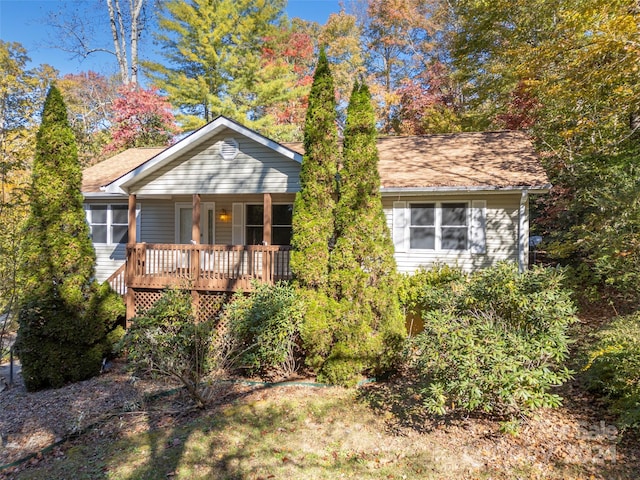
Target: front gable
(225,163)
(220,158)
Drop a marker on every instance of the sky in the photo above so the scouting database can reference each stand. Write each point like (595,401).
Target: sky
(24,21)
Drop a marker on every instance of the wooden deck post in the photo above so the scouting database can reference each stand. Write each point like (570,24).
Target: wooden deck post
(195,224)
(195,253)
(266,237)
(132,221)
(130,301)
(267,220)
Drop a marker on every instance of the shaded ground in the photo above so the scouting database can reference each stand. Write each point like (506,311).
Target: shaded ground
(297,432)
(117,429)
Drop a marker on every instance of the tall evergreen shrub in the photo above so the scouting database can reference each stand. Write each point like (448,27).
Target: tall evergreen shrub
(64,319)
(313,214)
(362,268)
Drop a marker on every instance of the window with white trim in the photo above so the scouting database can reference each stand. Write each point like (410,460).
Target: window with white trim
(109,224)
(439,226)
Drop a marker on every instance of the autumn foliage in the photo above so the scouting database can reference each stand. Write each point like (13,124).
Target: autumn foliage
(141,118)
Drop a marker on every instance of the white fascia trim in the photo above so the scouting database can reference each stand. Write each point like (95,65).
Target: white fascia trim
(392,191)
(104,196)
(122,184)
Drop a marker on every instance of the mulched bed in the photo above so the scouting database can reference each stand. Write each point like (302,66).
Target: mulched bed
(30,422)
(579,436)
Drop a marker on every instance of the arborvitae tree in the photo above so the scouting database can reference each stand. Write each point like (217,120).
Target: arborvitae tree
(63,319)
(362,268)
(313,217)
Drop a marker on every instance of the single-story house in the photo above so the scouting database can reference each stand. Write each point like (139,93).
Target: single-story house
(213,211)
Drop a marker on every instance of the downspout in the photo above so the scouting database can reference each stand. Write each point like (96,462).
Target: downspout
(523,231)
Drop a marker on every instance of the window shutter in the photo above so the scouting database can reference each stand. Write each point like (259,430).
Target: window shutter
(138,222)
(237,224)
(400,220)
(478,226)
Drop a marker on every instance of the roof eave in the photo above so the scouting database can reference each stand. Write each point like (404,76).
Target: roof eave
(102,195)
(534,189)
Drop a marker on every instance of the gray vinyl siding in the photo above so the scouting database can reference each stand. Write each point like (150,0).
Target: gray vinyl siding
(256,169)
(158,216)
(109,257)
(157,221)
(501,233)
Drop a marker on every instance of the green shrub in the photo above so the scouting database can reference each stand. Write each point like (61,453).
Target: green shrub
(265,326)
(496,344)
(429,289)
(59,344)
(613,368)
(317,328)
(167,341)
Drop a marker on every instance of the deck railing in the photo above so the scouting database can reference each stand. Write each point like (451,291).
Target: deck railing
(117,280)
(205,267)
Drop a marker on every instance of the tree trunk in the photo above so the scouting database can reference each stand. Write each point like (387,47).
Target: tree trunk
(117,33)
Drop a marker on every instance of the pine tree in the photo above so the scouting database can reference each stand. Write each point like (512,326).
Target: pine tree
(63,317)
(214,65)
(362,270)
(313,222)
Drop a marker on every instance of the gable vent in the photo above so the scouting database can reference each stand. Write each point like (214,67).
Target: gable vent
(229,148)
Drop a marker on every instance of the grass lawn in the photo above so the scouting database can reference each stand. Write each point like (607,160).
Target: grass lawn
(292,432)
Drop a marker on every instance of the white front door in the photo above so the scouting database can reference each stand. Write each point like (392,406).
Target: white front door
(184,219)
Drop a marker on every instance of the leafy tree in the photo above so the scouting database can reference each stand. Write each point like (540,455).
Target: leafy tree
(89,97)
(362,270)
(342,37)
(214,52)
(283,82)
(398,37)
(142,118)
(22,94)
(64,319)
(428,103)
(313,212)
(568,73)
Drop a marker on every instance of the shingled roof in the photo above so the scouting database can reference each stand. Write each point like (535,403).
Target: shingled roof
(114,167)
(494,160)
(503,159)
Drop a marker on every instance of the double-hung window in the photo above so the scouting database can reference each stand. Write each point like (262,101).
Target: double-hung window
(254,224)
(422,229)
(439,226)
(109,224)
(281,220)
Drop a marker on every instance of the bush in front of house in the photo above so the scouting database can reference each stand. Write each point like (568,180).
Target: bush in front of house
(168,341)
(57,344)
(494,341)
(613,368)
(264,329)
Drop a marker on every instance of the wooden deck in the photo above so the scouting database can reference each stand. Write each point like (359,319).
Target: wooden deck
(224,268)
(200,268)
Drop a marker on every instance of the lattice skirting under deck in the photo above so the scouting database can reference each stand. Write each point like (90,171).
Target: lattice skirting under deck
(207,305)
